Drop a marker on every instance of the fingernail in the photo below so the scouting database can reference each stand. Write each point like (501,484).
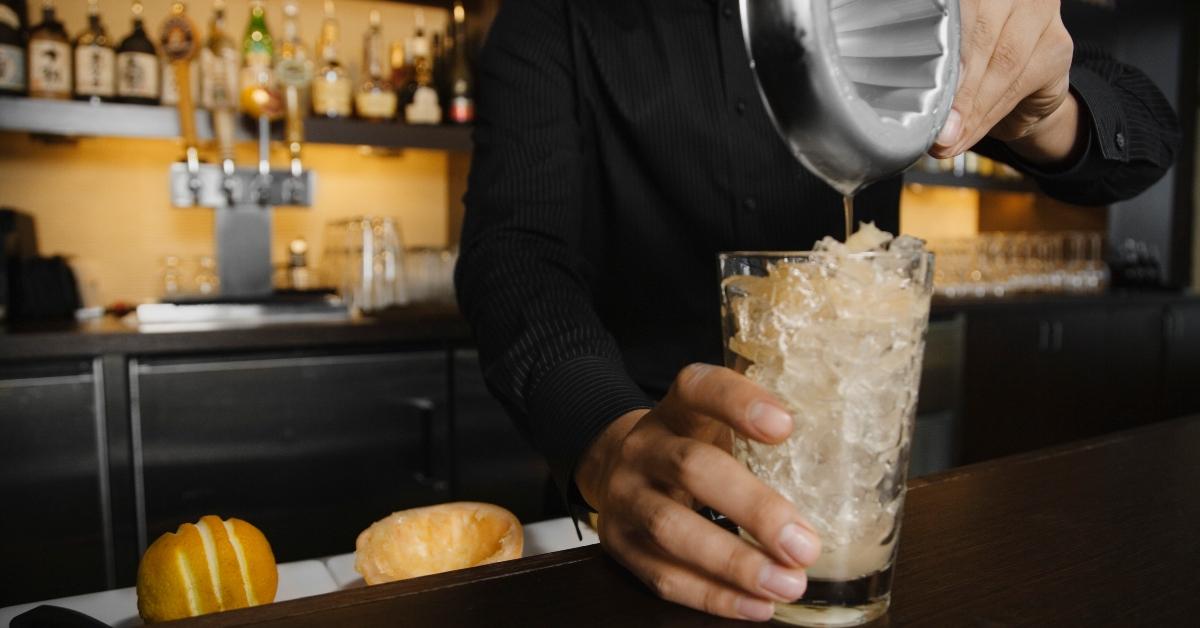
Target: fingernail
(799,544)
(950,132)
(769,420)
(755,610)
(787,585)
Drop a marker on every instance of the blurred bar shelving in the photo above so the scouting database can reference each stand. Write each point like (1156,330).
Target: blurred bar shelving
(973,181)
(83,119)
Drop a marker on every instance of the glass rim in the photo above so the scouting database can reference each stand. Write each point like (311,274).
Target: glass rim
(726,255)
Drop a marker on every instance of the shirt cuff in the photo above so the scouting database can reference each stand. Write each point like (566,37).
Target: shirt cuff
(573,404)
(1106,140)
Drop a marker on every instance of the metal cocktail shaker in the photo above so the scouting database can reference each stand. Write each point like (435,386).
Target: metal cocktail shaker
(859,89)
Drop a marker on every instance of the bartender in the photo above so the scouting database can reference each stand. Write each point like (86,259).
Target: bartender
(620,146)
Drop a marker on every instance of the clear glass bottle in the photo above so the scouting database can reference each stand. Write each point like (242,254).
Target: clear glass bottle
(294,66)
(49,57)
(375,99)
(137,64)
(218,64)
(331,87)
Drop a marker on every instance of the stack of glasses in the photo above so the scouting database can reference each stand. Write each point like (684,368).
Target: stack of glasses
(1004,264)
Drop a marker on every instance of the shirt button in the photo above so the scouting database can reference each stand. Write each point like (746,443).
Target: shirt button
(1120,141)
(750,203)
(740,107)
(727,11)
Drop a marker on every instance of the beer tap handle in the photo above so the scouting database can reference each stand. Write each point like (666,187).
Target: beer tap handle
(223,123)
(179,47)
(294,130)
(263,186)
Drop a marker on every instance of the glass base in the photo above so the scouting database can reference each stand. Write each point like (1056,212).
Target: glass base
(829,604)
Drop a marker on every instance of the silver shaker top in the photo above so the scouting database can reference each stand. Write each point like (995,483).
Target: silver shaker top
(859,89)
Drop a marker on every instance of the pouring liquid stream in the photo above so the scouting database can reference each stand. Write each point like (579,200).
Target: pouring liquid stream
(848,208)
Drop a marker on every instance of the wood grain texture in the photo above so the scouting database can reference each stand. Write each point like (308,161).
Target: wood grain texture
(1101,533)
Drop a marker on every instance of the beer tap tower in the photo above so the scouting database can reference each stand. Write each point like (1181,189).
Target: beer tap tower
(243,199)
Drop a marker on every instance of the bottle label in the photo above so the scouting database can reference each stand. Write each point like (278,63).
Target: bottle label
(332,98)
(219,78)
(170,89)
(95,73)
(462,110)
(49,67)
(137,75)
(8,16)
(12,68)
(376,105)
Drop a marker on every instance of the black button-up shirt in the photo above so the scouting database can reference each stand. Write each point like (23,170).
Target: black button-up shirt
(620,145)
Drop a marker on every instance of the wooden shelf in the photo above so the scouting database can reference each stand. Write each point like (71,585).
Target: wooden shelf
(83,119)
(973,181)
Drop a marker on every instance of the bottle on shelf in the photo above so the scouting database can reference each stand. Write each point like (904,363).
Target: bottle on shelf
(137,64)
(294,68)
(401,73)
(423,107)
(49,57)
(218,64)
(331,87)
(95,60)
(416,49)
(12,51)
(375,99)
(462,84)
(260,94)
(438,61)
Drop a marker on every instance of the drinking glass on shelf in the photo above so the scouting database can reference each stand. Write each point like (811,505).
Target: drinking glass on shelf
(365,257)
(172,276)
(206,280)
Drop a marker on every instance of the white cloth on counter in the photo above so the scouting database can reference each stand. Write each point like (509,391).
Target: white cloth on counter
(118,608)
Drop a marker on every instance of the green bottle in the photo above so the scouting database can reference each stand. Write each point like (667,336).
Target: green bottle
(258,89)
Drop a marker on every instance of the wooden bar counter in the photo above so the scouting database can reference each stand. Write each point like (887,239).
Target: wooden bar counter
(1100,533)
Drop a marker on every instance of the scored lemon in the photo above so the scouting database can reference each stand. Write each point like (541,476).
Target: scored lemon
(205,567)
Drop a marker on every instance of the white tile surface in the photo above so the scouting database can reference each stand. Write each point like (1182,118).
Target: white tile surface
(118,608)
(542,537)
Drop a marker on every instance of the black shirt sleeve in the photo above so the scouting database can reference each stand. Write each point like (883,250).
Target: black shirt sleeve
(520,279)
(1133,135)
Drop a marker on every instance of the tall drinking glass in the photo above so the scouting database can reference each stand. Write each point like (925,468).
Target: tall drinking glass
(839,339)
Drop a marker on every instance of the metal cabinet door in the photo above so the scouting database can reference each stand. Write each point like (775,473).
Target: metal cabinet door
(55,524)
(1182,334)
(495,462)
(310,449)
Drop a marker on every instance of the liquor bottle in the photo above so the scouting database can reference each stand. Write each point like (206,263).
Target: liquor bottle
(12,51)
(375,99)
(218,64)
(401,73)
(294,67)
(462,84)
(331,88)
(424,107)
(137,64)
(49,57)
(259,95)
(95,61)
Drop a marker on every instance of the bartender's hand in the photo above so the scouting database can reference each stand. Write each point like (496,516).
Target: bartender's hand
(1016,64)
(649,469)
